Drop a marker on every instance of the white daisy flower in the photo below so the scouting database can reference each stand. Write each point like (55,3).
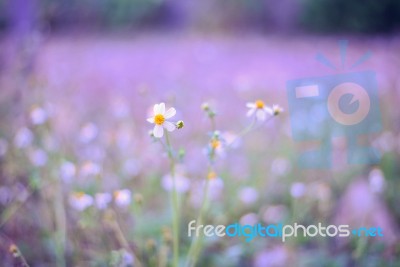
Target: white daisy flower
(260,109)
(122,197)
(80,201)
(160,120)
(102,200)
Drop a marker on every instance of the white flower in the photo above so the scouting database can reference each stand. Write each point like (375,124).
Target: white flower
(80,201)
(38,157)
(23,138)
(88,132)
(90,169)
(182,183)
(376,180)
(127,259)
(297,190)
(160,120)
(249,219)
(67,171)
(248,195)
(260,109)
(102,200)
(122,197)
(38,115)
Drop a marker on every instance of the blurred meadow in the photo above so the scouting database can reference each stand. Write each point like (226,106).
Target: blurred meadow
(83,183)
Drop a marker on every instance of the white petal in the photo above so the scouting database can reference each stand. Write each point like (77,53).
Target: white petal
(161,108)
(169,126)
(250,112)
(151,120)
(250,105)
(170,113)
(158,131)
(268,110)
(261,115)
(156,109)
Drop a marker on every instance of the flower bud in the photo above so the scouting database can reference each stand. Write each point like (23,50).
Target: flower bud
(180,124)
(205,106)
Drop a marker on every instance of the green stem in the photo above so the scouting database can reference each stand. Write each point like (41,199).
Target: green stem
(195,246)
(61,229)
(175,204)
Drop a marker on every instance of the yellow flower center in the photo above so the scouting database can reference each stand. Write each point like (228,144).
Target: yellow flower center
(215,144)
(159,119)
(79,195)
(260,104)
(117,194)
(211,175)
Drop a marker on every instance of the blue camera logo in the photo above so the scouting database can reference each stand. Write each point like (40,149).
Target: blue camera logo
(342,105)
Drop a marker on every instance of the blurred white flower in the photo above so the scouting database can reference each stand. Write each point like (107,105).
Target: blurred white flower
(38,157)
(275,257)
(67,171)
(88,132)
(127,259)
(280,166)
(275,214)
(102,200)
(297,190)
(130,167)
(123,138)
(248,195)
(38,115)
(231,139)
(119,109)
(260,109)
(80,201)
(5,195)
(320,191)
(3,147)
(122,197)
(90,169)
(160,120)
(182,183)
(249,219)
(215,189)
(23,138)
(376,180)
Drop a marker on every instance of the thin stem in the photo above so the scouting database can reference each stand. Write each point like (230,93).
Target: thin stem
(61,231)
(196,241)
(17,252)
(248,129)
(175,204)
(121,238)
